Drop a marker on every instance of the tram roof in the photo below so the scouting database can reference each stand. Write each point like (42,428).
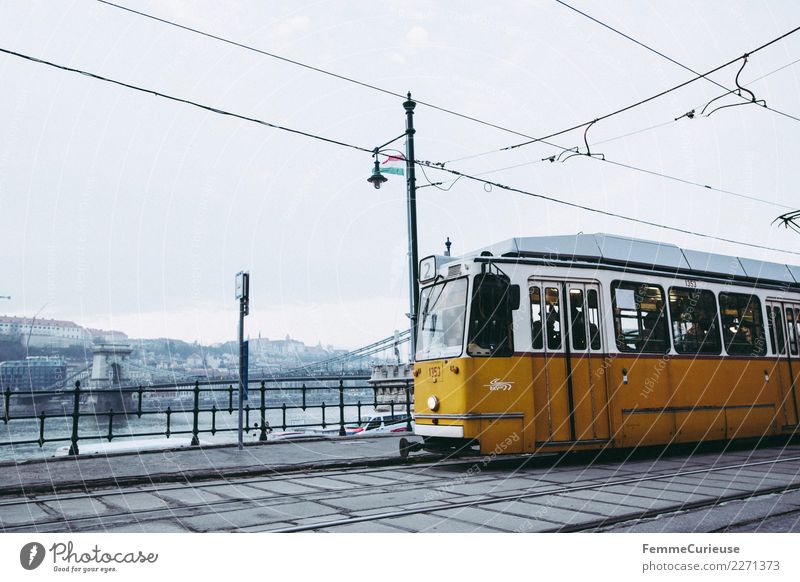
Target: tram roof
(625,251)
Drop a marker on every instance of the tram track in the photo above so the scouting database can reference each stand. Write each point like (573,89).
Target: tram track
(274,499)
(600,524)
(556,491)
(189,510)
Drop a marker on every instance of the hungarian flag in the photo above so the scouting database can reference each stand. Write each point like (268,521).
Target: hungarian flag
(393,165)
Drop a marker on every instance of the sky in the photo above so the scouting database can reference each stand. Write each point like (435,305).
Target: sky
(122,210)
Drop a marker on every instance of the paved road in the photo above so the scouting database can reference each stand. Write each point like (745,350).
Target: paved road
(97,471)
(711,491)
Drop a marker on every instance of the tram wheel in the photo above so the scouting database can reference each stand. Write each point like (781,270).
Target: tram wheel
(403,448)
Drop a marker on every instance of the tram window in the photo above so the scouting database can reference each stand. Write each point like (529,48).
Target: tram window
(771,330)
(553,318)
(797,325)
(778,330)
(792,331)
(695,328)
(578,319)
(640,323)
(536,318)
(490,329)
(440,332)
(593,309)
(742,328)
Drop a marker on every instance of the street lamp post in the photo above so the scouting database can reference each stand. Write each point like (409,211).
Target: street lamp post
(411,189)
(376,179)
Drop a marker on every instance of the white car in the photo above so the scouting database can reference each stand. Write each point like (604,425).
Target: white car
(381,422)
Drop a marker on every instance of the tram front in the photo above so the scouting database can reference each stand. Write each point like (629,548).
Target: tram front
(469,388)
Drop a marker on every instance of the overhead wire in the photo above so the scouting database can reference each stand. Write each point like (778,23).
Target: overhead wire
(186,101)
(698,184)
(670,59)
(652,97)
(370,151)
(437,184)
(421,102)
(598,210)
(670,122)
(373,86)
(627,166)
(312,68)
(630,133)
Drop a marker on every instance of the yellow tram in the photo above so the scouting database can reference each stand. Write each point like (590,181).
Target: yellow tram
(591,341)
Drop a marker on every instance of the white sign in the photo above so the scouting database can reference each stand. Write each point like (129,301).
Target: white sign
(427,269)
(242,284)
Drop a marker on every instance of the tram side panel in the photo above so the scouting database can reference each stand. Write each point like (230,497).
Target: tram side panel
(551,398)
(701,387)
(639,400)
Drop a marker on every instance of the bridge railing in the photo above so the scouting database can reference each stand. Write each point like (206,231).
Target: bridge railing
(331,405)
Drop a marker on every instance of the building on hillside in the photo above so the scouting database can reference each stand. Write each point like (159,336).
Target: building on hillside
(44,333)
(31,374)
(53,333)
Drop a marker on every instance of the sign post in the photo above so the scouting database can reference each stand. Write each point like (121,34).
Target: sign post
(243,295)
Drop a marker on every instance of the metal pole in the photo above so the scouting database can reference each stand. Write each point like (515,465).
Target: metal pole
(76,416)
(241,372)
(243,295)
(411,187)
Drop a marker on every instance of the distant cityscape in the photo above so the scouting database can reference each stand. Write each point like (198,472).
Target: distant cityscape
(44,353)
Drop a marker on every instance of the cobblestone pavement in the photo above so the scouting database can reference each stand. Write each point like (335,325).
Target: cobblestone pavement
(710,491)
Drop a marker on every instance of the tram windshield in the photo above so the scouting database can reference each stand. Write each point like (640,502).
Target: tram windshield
(443,308)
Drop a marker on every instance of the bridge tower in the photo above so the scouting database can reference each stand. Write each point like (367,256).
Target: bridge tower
(109,375)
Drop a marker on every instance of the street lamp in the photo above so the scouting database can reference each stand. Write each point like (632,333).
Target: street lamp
(376,179)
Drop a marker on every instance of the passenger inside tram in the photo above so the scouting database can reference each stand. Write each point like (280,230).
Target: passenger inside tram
(553,327)
(553,318)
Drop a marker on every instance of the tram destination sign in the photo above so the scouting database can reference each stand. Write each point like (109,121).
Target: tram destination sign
(427,269)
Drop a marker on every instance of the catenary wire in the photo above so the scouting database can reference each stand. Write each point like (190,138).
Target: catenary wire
(670,59)
(186,101)
(622,165)
(370,151)
(452,182)
(691,183)
(313,68)
(634,168)
(637,131)
(652,97)
(394,94)
(597,210)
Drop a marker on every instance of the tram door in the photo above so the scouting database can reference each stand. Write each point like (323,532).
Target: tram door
(570,390)
(784,327)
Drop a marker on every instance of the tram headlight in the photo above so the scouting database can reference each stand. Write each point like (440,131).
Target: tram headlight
(433,403)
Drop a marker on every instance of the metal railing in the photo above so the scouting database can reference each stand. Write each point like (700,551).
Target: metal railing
(338,405)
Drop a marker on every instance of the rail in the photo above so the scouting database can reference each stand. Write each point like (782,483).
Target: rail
(339,400)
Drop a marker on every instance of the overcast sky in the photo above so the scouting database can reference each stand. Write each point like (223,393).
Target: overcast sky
(123,210)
